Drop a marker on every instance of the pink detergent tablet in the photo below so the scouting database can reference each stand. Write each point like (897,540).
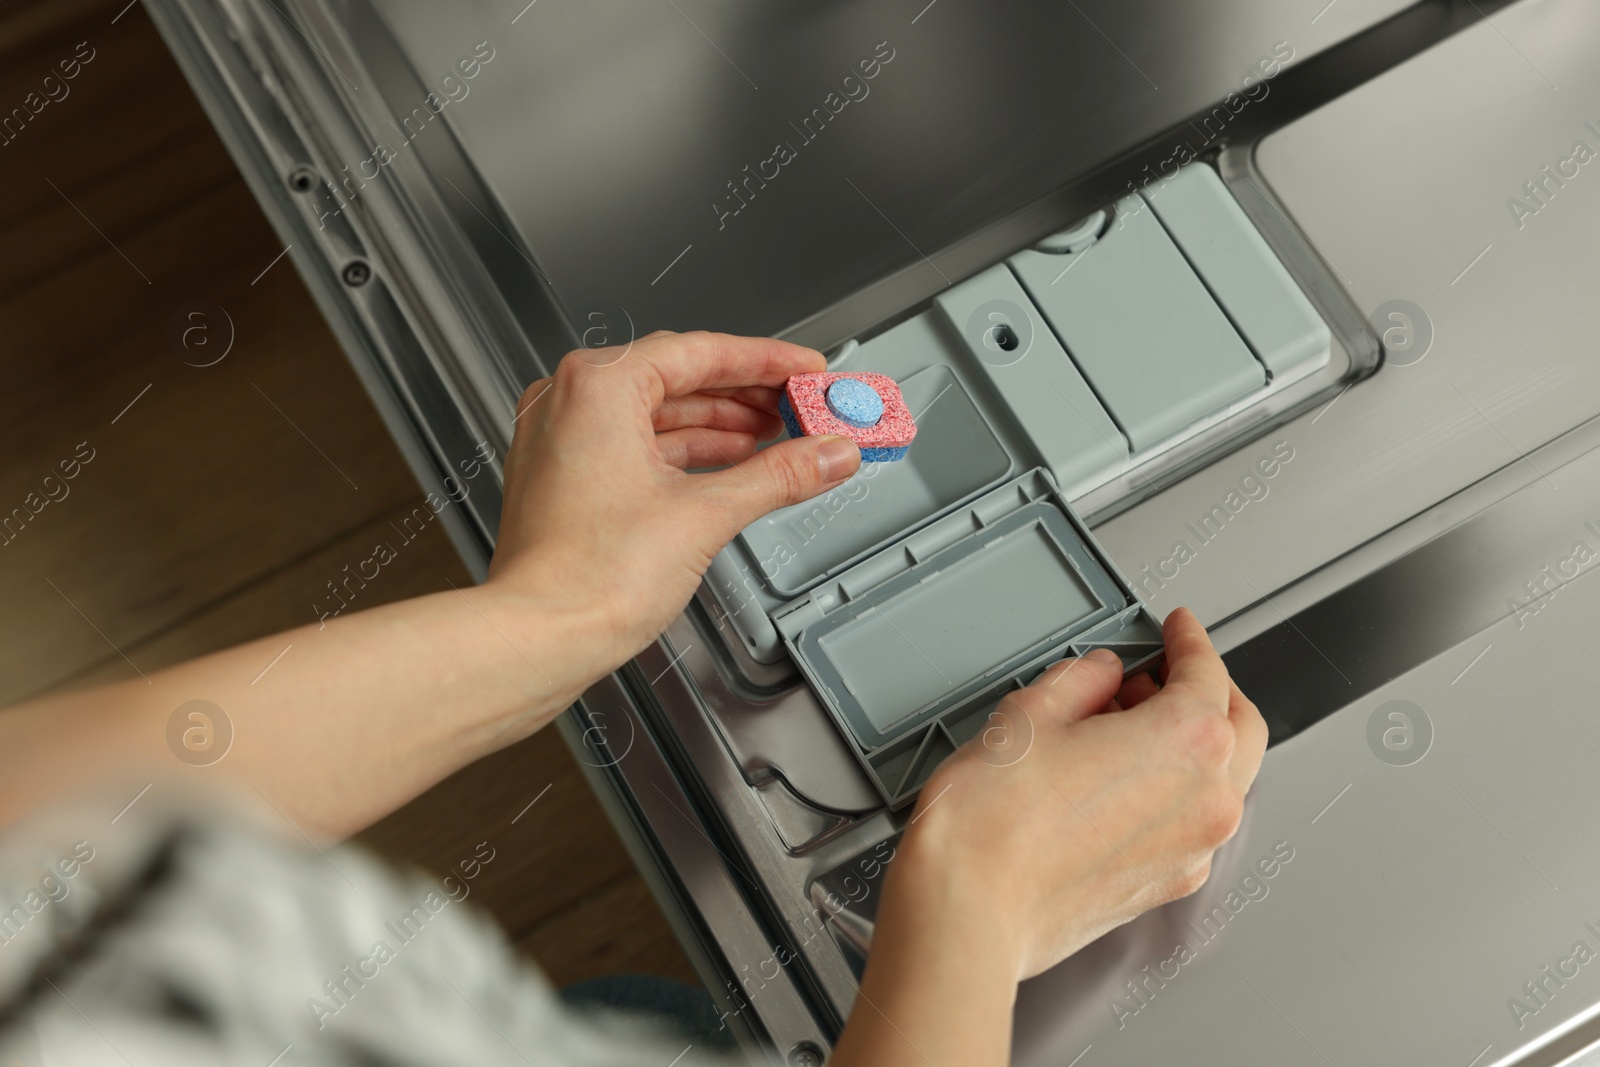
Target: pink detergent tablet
(860,405)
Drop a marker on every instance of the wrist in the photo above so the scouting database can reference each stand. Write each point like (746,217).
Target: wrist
(559,644)
(941,893)
(937,977)
(600,601)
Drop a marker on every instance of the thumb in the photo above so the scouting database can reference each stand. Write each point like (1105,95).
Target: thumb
(782,474)
(1075,689)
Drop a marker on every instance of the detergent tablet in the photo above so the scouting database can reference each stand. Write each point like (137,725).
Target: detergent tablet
(863,406)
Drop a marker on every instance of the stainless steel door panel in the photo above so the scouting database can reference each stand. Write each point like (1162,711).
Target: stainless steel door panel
(617,126)
(1402,185)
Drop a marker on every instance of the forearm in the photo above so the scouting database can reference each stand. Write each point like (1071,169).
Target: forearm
(941,980)
(359,715)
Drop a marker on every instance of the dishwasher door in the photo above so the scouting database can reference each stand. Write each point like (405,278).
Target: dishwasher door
(471,190)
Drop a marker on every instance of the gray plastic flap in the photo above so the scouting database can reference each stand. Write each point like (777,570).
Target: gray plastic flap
(913,647)
(1147,335)
(1233,259)
(943,622)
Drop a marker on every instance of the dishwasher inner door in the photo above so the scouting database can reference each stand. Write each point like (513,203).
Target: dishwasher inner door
(1282,314)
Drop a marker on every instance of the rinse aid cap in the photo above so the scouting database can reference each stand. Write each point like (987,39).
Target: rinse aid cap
(861,405)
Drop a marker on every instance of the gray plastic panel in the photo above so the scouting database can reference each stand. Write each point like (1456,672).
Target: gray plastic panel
(1232,258)
(1037,380)
(906,650)
(909,649)
(995,391)
(955,457)
(1143,329)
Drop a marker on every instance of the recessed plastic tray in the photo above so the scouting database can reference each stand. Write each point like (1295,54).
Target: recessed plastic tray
(956,456)
(1038,381)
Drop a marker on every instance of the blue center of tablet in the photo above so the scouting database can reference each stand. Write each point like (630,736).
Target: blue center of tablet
(855,403)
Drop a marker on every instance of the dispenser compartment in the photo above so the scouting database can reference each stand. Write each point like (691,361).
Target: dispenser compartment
(916,595)
(956,456)
(1008,340)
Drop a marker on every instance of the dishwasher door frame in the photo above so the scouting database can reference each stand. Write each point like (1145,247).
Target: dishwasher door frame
(693,879)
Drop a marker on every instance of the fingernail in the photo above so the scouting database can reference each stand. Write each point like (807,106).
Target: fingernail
(1104,655)
(837,457)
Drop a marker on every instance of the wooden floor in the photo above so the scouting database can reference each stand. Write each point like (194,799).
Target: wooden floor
(219,500)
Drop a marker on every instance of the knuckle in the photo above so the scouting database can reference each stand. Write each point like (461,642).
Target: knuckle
(1045,703)
(1208,737)
(573,367)
(1026,702)
(701,343)
(1249,712)
(1189,880)
(533,392)
(1218,816)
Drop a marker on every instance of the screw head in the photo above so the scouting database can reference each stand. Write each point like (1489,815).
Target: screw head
(805,1054)
(356,273)
(302,179)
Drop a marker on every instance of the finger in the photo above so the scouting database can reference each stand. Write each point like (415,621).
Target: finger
(695,447)
(1074,689)
(1251,732)
(715,413)
(762,397)
(685,363)
(786,473)
(1193,665)
(1136,690)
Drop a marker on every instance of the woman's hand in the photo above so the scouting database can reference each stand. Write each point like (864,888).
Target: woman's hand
(1109,799)
(1117,806)
(601,519)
